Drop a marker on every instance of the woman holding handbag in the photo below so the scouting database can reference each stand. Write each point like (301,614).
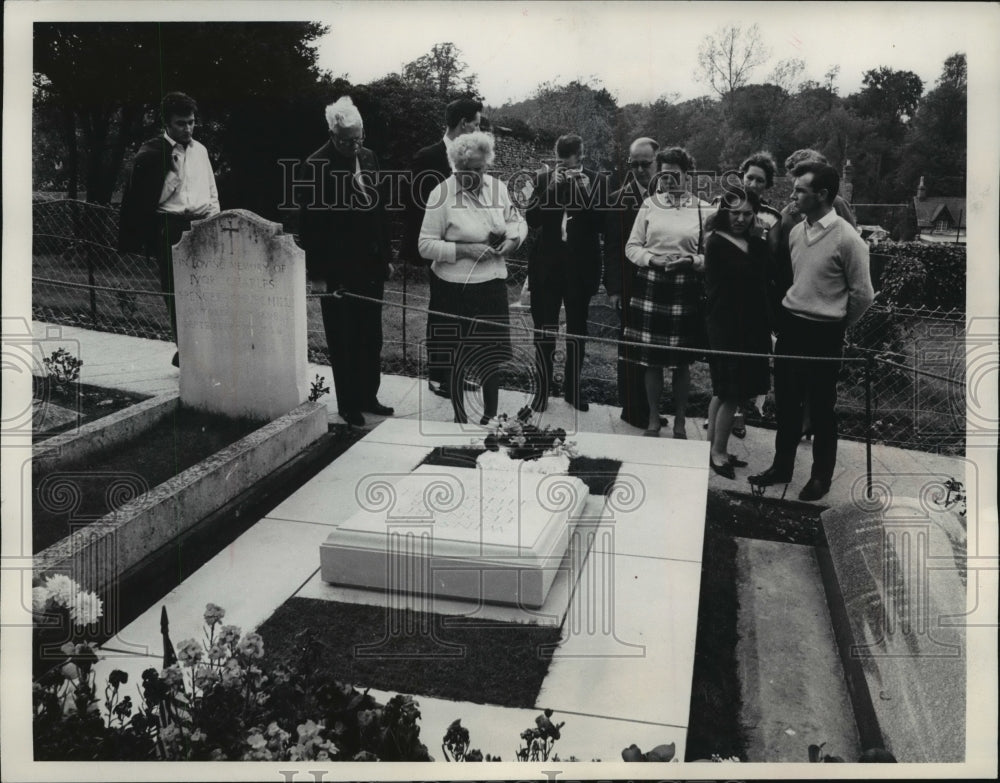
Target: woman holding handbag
(666,310)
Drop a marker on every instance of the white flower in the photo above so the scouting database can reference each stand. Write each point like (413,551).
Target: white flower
(39,597)
(86,608)
(61,589)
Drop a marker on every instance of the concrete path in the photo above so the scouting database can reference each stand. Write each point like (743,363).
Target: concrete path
(141,365)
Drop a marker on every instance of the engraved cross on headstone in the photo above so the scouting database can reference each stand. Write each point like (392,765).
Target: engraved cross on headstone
(230,229)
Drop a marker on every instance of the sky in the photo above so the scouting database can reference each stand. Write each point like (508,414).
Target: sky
(639,50)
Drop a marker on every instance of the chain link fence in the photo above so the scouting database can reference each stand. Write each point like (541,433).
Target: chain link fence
(917,355)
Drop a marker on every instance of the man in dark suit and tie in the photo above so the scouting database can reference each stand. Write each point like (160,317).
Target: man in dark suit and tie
(619,272)
(346,240)
(564,269)
(430,168)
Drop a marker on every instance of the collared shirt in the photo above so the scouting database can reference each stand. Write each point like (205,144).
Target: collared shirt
(191,189)
(455,215)
(814,230)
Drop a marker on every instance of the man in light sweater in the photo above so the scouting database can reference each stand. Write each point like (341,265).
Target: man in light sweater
(830,290)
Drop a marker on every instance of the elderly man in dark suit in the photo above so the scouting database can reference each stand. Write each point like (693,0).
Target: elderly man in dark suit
(564,268)
(171,183)
(346,241)
(619,272)
(431,167)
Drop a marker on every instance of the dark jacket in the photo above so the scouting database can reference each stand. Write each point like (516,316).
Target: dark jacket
(623,206)
(430,167)
(736,307)
(137,226)
(346,237)
(581,252)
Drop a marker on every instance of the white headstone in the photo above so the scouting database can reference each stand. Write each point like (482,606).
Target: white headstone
(486,535)
(240,287)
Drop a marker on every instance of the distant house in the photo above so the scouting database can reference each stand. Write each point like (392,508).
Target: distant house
(939,218)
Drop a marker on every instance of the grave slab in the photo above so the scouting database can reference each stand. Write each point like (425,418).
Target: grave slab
(497,536)
(790,674)
(241,317)
(898,602)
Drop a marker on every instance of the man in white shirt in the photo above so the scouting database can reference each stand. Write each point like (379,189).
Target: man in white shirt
(171,183)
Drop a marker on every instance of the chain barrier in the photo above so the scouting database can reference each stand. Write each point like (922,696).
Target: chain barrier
(913,357)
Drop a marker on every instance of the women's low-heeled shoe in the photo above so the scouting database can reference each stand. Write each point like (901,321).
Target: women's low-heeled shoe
(726,471)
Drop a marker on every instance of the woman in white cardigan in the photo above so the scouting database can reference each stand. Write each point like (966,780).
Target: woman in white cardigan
(470,227)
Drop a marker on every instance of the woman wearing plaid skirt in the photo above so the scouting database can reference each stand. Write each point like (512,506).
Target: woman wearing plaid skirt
(665,311)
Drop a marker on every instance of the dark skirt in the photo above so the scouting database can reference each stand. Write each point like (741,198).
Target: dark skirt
(473,345)
(739,378)
(665,311)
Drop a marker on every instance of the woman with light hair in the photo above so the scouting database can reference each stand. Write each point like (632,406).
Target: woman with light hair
(469,228)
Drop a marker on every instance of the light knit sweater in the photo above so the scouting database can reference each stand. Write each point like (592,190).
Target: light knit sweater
(830,273)
(455,215)
(664,228)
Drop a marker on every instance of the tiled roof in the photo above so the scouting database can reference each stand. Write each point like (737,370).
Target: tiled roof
(932,208)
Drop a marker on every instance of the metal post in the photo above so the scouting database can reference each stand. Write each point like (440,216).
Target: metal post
(92,282)
(404,313)
(869,367)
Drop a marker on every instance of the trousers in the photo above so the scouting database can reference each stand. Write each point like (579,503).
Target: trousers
(354,339)
(546,301)
(800,381)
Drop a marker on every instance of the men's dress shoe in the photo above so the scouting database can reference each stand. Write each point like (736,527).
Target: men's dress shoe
(651,433)
(353,417)
(770,476)
(680,435)
(440,390)
(641,423)
(581,406)
(814,489)
(736,462)
(176,361)
(726,470)
(378,409)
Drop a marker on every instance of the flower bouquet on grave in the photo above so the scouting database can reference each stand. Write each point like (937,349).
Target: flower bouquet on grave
(526,441)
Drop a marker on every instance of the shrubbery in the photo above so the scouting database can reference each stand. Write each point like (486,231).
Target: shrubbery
(920,274)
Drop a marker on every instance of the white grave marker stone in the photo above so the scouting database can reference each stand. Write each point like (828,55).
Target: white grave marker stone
(485,535)
(241,317)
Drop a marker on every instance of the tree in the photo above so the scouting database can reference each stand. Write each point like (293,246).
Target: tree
(786,73)
(727,58)
(889,100)
(890,96)
(443,72)
(587,109)
(936,141)
(259,92)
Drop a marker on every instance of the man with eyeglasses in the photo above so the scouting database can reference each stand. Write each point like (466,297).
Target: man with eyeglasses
(619,272)
(346,239)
